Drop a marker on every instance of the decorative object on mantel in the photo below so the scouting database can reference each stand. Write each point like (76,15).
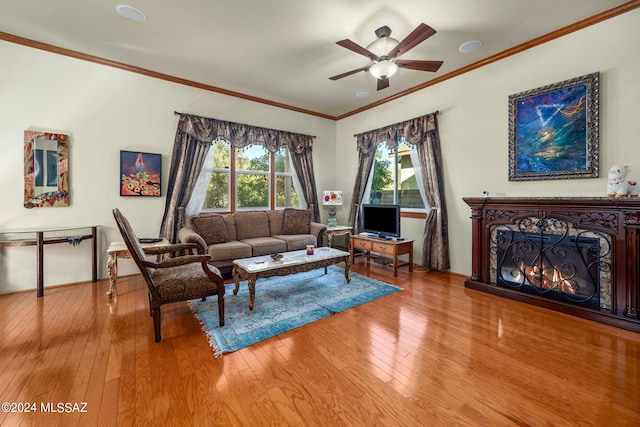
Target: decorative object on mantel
(46,169)
(554,131)
(618,185)
(332,199)
(140,174)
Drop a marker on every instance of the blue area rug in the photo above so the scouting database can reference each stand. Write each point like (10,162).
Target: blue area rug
(283,303)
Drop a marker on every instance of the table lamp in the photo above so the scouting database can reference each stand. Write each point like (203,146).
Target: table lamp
(332,199)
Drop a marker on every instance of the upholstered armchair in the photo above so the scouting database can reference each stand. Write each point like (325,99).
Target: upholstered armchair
(173,279)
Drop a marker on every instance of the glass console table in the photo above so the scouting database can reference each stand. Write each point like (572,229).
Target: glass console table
(45,236)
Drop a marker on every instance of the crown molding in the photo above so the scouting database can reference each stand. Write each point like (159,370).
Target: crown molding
(616,11)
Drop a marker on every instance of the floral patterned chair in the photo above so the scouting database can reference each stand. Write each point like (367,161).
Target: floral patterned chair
(176,279)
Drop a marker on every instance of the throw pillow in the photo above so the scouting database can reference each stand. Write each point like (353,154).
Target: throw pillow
(296,221)
(251,224)
(211,228)
(276,221)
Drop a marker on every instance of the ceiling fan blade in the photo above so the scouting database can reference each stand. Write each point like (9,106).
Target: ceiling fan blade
(348,73)
(383,84)
(352,46)
(417,36)
(419,65)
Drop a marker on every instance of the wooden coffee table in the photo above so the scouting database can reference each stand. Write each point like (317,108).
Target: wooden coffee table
(252,269)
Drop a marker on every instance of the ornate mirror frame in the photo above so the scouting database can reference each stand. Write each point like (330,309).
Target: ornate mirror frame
(46,169)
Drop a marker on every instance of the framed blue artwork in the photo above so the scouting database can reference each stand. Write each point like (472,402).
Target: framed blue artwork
(554,131)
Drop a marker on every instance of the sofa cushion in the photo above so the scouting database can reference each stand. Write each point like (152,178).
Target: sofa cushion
(251,224)
(230,222)
(229,250)
(296,221)
(211,227)
(265,245)
(276,219)
(296,242)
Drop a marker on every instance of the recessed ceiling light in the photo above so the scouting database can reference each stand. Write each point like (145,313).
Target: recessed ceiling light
(363,94)
(469,46)
(130,13)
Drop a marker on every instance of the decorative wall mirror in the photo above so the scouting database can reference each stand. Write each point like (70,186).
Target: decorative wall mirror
(46,169)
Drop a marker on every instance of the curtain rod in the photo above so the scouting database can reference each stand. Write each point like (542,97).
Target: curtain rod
(177,113)
(435,113)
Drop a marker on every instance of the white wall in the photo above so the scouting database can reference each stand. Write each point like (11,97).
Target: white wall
(105,110)
(473,122)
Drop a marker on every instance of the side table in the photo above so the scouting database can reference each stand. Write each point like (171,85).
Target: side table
(119,250)
(39,237)
(387,248)
(337,230)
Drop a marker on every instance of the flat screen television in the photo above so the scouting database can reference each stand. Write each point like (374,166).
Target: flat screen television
(381,220)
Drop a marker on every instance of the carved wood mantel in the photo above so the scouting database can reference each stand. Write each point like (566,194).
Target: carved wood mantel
(617,218)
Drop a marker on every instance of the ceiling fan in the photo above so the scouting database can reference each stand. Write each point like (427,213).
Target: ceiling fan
(384,53)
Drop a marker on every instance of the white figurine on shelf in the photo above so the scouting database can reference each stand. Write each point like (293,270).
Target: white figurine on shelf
(618,185)
(634,188)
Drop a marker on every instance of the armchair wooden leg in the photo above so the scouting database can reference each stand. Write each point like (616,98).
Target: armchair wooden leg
(221,305)
(156,323)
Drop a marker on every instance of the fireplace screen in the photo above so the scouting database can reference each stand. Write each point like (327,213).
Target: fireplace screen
(550,262)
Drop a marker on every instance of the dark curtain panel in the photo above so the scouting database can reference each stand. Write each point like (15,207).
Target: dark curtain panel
(366,157)
(192,142)
(190,148)
(435,244)
(423,133)
(303,164)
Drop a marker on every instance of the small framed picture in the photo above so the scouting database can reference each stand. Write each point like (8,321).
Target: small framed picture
(140,174)
(554,131)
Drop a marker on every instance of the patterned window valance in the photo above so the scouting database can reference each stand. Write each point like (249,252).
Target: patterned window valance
(241,135)
(412,131)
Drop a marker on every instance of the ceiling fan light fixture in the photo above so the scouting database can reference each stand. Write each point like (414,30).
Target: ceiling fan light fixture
(382,45)
(383,69)
(384,51)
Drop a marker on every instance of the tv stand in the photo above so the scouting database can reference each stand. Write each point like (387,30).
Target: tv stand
(376,248)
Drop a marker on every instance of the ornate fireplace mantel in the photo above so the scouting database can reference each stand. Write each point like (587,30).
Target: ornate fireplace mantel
(616,221)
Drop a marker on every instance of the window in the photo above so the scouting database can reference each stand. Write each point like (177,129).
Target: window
(394,179)
(252,177)
(286,195)
(218,192)
(244,178)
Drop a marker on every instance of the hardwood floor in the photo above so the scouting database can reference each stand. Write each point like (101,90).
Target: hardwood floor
(433,354)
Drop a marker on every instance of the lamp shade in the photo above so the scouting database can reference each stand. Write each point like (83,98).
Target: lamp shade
(383,69)
(383,45)
(332,198)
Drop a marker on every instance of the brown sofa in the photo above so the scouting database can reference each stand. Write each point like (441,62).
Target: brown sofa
(245,234)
